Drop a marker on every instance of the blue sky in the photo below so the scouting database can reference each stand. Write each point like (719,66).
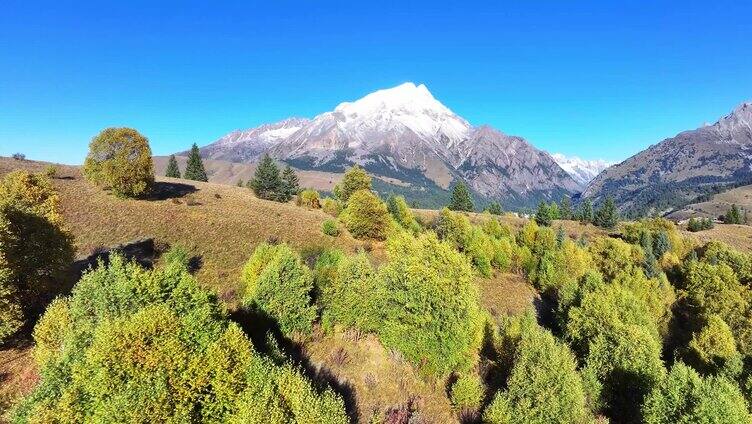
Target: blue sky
(589,78)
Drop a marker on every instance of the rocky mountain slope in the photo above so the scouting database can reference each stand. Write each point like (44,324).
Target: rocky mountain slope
(583,171)
(679,169)
(406,135)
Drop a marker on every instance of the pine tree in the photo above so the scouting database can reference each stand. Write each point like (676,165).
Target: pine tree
(495,208)
(733,215)
(565,210)
(607,215)
(173,171)
(461,199)
(586,211)
(543,215)
(266,182)
(194,170)
(561,236)
(290,185)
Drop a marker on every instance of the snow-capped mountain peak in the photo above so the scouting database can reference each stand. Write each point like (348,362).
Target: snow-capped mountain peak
(408,105)
(583,171)
(406,135)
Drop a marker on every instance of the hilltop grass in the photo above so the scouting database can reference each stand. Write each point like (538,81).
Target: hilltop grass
(218,223)
(222,225)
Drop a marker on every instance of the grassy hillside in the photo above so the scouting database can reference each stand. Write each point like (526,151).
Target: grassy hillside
(718,204)
(222,225)
(223,172)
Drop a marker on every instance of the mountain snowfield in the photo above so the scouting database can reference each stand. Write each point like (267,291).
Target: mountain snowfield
(405,135)
(583,171)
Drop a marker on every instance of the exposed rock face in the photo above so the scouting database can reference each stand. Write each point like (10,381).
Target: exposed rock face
(677,170)
(406,134)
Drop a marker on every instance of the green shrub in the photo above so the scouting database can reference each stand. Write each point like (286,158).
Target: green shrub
(496,229)
(330,228)
(402,214)
(331,206)
(50,171)
(135,345)
(467,392)
(621,368)
(543,385)
(714,289)
(278,284)
(453,227)
(366,216)
(480,248)
(685,397)
(612,256)
(604,311)
(11,314)
(350,295)
(309,198)
(429,304)
(177,255)
(714,345)
(716,252)
(355,179)
(120,160)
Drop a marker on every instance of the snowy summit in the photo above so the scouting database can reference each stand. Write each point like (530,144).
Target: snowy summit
(583,171)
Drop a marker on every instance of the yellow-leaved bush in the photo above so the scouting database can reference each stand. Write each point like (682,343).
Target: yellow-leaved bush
(35,248)
(136,345)
(119,160)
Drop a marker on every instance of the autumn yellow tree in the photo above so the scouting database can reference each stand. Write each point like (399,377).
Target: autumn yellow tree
(120,160)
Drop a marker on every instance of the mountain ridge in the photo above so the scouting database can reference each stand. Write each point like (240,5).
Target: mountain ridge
(678,169)
(405,133)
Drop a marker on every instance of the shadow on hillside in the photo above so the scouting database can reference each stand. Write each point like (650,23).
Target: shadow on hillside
(268,339)
(163,190)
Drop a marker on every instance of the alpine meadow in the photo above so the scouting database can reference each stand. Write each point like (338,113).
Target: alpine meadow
(373,243)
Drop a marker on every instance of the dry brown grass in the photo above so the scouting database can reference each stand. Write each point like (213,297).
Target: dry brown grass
(718,204)
(736,236)
(222,224)
(379,378)
(18,375)
(506,293)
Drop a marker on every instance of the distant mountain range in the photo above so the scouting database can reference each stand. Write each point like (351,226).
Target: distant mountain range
(583,171)
(680,169)
(418,147)
(404,135)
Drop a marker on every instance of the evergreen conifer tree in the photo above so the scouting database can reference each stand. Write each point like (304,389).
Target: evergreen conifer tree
(607,215)
(565,210)
(266,182)
(544,214)
(586,211)
(173,171)
(733,215)
(494,208)
(290,185)
(194,170)
(461,199)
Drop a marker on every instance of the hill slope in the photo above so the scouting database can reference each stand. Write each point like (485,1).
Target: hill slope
(717,205)
(678,169)
(223,224)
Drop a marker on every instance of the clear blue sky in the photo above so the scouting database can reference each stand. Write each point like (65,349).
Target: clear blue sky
(585,77)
